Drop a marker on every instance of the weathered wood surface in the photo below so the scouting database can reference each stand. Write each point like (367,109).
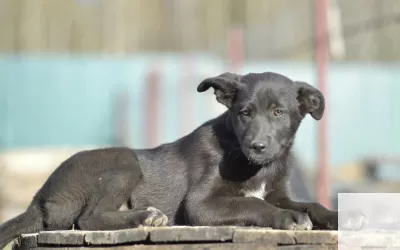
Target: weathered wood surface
(179,238)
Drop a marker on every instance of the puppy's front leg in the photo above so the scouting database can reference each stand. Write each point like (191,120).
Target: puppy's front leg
(320,216)
(243,211)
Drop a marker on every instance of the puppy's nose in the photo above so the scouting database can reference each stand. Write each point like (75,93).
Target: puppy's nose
(258,146)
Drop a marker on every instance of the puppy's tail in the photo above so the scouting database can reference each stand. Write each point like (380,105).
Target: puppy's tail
(28,222)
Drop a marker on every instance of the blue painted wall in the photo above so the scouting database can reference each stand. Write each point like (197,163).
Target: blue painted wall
(61,100)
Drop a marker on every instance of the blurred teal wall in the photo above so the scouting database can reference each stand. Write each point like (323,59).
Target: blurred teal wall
(70,101)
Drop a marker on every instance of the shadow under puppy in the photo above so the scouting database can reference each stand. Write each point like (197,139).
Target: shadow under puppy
(232,170)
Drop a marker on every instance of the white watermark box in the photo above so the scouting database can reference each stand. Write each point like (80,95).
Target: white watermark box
(369,221)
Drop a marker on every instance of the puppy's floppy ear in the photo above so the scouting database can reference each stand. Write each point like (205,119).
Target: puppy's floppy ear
(310,100)
(224,85)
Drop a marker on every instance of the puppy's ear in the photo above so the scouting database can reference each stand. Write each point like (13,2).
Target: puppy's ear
(224,85)
(310,100)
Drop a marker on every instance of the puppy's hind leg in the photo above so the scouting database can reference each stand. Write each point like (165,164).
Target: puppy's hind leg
(102,212)
(60,215)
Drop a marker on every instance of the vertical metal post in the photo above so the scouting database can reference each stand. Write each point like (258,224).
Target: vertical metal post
(322,60)
(123,124)
(186,100)
(152,106)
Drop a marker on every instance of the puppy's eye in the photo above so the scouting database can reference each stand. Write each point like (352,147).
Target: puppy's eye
(245,112)
(278,112)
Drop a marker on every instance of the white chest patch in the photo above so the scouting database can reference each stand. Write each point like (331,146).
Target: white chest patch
(259,193)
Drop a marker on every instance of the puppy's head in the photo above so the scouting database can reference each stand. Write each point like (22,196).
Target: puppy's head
(265,110)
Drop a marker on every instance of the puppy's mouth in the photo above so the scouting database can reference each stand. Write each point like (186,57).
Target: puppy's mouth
(259,159)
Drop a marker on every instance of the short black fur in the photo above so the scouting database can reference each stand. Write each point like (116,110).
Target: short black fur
(232,170)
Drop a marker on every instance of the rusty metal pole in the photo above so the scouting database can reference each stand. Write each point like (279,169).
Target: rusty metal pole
(235,49)
(322,60)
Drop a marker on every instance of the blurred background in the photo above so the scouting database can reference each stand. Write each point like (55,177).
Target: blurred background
(82,74)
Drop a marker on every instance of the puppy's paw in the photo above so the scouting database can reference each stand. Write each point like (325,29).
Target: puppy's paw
(322,218)
(155,218)
(329,221)
(291,220)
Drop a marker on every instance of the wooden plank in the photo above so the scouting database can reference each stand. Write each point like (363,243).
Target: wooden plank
(116,237)
(315,237)
(75,238)
(26,241)
(184,234)
(308,247)
(179,237)
(227,246)
(263,236)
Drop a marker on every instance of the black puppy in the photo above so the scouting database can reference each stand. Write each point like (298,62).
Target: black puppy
(232,170)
